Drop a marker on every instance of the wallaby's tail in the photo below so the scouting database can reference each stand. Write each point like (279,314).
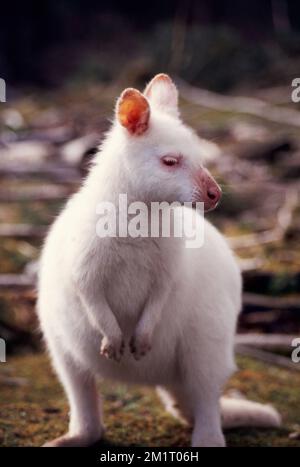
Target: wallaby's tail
(235,412)
(242,412)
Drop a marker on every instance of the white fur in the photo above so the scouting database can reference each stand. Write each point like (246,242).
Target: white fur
(180,305)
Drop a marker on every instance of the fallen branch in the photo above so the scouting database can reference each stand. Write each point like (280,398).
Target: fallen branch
(45,171)
(258,301)
(22,231)
(16,282)
(266,341)
(277,234)
(12,381)
(266,321)
(244,105)
(44,193)
(250,265)
(267,357)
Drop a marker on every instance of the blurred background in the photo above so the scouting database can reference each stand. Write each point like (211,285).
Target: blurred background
(64,64)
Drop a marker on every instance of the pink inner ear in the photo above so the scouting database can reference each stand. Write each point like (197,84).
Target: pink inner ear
(133,111)
(162,92)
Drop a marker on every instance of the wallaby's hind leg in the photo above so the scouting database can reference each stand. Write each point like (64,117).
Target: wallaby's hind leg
(207,431)
(197,407)
(85,427)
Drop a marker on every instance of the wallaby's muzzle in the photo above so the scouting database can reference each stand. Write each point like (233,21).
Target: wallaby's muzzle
(207,190)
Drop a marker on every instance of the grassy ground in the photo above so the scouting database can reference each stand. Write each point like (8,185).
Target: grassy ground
(36,410)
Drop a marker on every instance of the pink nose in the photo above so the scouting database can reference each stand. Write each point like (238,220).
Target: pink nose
(208,188)
(212,195)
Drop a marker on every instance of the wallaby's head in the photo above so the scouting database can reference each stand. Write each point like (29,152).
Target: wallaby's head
(163,157)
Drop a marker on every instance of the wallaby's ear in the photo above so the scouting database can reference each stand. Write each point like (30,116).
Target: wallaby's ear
(162,93)
(133,111)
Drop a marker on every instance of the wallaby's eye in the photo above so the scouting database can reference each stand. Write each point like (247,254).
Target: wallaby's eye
(170,161)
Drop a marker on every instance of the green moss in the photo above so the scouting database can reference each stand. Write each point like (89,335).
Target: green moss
(36,412)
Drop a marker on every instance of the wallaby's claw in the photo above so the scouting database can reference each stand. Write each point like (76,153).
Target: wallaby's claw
(139,346)
(112,350)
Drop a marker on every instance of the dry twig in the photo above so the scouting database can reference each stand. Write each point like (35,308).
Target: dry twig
(277,234)
(244,105)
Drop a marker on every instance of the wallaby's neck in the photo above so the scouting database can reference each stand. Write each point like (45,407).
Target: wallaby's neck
(110,177)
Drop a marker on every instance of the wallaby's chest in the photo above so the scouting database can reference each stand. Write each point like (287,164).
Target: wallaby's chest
(130,275)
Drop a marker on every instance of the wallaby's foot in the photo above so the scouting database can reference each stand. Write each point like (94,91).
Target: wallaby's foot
(69,440)
(140,345)
(213,441)
(112,348)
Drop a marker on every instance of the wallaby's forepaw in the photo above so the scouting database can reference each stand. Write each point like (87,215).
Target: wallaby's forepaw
(112,349)
(140,345)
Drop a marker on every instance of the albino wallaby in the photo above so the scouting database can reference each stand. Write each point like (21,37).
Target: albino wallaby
(144,310)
